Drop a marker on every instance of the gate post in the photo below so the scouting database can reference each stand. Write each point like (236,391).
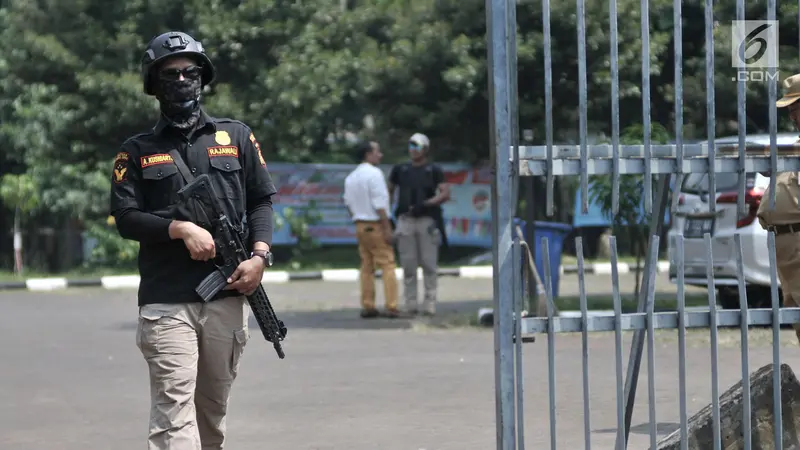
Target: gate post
(501,63)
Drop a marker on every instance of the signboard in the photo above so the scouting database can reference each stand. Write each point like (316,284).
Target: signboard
(467,214)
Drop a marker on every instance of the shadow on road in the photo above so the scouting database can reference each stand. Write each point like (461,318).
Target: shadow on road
(662,428)
(449,314)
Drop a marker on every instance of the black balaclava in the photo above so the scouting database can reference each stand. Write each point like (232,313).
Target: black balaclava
(180,102)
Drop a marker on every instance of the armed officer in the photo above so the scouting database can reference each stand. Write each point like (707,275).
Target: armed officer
(192,348)
(420,226)
(784,220)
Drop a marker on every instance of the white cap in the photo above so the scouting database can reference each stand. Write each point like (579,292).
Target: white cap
(420,139)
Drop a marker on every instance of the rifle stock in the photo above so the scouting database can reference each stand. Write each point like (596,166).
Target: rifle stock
(231,249)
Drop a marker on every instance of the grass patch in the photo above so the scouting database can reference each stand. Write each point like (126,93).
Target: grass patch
(663,302)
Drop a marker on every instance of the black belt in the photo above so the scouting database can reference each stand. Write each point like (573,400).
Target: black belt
(784,229)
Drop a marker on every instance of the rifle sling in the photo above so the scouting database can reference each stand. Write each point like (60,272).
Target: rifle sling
(182,168)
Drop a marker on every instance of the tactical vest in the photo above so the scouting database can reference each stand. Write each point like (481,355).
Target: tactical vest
(414,191)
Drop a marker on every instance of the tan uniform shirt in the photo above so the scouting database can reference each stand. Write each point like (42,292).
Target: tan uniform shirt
(787,193)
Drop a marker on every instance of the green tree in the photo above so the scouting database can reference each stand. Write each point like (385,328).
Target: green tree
(632,218)
(19,192)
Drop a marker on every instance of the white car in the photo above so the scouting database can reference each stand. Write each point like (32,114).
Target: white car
(692,219)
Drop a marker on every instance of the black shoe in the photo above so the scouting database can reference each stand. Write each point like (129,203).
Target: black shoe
(369,313)
(392,313)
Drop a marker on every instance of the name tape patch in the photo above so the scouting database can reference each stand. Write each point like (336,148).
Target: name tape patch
(223,150)
(155,160)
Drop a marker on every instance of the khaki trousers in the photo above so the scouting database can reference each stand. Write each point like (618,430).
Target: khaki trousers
(787,258)
(418,242)
(192,351)
(375,252)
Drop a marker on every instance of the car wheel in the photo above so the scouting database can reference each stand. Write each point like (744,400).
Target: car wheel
(761,297)
(729,298)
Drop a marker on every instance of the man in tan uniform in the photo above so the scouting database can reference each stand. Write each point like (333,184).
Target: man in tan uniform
(784,220)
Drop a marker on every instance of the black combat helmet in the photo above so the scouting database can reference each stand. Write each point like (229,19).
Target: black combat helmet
(171,44)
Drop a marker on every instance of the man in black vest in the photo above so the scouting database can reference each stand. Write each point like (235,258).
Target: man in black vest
(419,230)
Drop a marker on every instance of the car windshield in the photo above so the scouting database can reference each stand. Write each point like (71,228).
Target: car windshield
(697,183)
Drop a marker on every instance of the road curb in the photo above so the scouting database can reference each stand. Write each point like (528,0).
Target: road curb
(348,275)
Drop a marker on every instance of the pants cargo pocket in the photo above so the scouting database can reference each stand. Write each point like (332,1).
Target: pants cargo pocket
(147,332)
(240,338)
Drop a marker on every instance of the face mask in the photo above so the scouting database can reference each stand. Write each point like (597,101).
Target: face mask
(180,101)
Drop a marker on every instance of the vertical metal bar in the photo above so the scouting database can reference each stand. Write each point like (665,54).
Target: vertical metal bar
(677,20)
(530,248)
(741,98)
(518,307)
(773,112)
(513,100)
(651,347)
(711,119)
(744,326)
(502,283)
(776,312)
(621,439)
(684,413)
(612,18)
(712,306)
(582,105)
(648,173)
(548,107)
(587,429)
(776,341)
(551,339)
(637,346)
(516,254)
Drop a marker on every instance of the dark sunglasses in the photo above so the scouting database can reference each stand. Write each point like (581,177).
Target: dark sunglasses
(189,73)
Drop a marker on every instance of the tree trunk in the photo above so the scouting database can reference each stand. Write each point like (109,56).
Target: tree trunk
(637,250)
(17,242)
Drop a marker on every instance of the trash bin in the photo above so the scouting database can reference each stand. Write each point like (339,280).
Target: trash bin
(555,233)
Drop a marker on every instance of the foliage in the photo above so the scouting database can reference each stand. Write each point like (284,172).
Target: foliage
(631,187)
(299,220)
(308,77)
(19,192)
(111,250)
(632,217)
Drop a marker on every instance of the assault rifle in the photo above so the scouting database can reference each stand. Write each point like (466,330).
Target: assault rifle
(231,251)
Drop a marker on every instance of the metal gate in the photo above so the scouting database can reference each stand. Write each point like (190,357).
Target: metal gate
(511,161)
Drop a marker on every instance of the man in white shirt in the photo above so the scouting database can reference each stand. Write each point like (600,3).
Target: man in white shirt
(367,198)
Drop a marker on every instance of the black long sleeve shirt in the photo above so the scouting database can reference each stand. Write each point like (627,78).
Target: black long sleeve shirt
(144,199)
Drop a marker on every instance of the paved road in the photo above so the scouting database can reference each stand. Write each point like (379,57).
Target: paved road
(73,379)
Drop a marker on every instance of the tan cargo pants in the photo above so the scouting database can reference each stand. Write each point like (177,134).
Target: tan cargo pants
(193,352)
(787,258)
(374,251)
(418,242)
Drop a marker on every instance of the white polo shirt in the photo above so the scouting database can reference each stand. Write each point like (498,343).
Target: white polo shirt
(365,192)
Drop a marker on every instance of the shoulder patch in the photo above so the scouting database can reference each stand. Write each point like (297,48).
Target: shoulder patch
(255,143)
(120,173)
